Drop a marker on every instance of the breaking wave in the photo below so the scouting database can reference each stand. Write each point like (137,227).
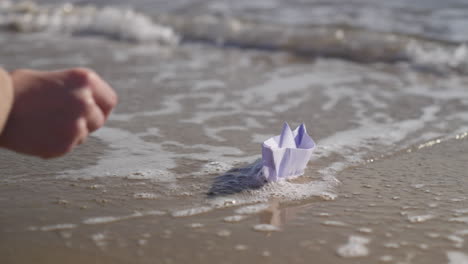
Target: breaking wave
(339,39)
(116,23)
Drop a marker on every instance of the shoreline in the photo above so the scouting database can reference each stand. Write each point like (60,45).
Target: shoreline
(402,204)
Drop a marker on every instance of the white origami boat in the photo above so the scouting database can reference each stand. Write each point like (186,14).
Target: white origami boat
(287,155)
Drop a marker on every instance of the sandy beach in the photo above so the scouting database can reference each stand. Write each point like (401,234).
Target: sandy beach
(405,208)
(167,180)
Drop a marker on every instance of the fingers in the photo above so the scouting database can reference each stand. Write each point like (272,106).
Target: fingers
(95,118)
(86,107)
(82,132)
(103,94)
(72,134)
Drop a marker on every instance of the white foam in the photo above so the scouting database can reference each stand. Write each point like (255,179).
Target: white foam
(103,220)
(289,191)
(438,57)
(234,218)
(456,257)
(58,227)
(334,223)
(252,209)
(356,247)
(196,225)
(241,247)
(146,196)
(433,235)
(121,160)
(53,227)
(462,232)
(144,174)
(100,239)
(216,167)
(391,245)
(386,258)
(223,233)
(265,228)
(457,240)
(192,211)
(130,156)
(324,214)
(118,23)
(420,218)
(461,211)
(209,84)
(461,219)
(110,219)
(365,230)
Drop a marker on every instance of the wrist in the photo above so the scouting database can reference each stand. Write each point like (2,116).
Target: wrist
(6,97)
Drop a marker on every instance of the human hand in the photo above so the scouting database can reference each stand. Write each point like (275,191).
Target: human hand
(55,111)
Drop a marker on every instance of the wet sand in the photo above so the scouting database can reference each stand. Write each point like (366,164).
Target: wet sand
(411,207)
(386,184)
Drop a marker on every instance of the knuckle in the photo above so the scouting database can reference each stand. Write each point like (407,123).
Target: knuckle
(108,103)
(83,75)
(81,102)
(78,129)
(95,123)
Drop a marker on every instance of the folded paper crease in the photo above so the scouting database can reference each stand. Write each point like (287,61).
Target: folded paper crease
(286,155)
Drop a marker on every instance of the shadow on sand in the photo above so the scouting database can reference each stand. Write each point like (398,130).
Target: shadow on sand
(238,180)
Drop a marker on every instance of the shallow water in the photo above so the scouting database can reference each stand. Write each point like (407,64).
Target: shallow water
(389,113)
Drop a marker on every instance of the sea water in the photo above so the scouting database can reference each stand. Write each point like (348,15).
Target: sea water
(201,86)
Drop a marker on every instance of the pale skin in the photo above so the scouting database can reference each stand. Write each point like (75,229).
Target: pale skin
(47,114)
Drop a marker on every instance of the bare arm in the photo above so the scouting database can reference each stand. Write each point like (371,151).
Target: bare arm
(6,97)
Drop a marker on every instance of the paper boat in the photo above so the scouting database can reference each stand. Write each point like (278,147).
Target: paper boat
(286,155)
